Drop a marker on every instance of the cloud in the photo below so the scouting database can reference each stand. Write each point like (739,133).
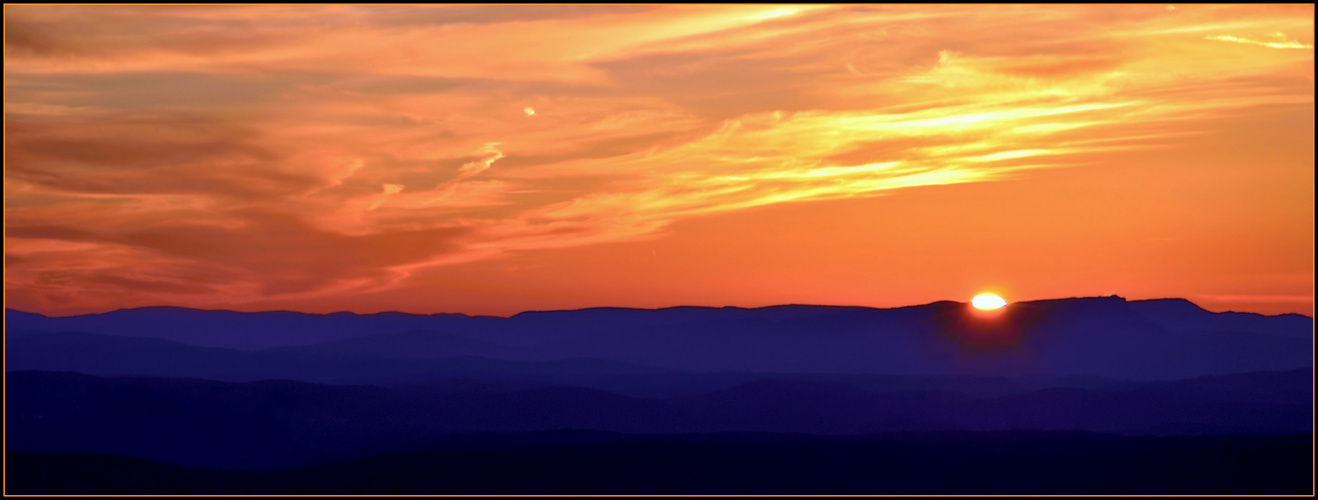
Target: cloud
(269,255)
(148,155)
(1279,41)
(478,166)
(245,152)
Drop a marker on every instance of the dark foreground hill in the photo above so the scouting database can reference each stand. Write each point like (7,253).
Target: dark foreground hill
(1011,463)
(272,424)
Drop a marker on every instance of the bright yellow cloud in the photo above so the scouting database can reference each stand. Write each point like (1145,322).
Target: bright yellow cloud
(1276,44)
(462,133)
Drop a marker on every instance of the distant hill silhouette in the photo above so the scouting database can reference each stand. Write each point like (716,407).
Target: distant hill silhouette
(1102,337)
(111,355)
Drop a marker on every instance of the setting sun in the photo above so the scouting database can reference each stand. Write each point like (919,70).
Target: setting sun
(986,301)
(663,234)
(495,160)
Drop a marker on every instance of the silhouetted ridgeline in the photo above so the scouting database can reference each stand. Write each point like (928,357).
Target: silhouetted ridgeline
(1104,337)
(1072,396)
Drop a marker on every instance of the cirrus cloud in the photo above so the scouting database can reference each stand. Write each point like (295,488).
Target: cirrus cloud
(226,154)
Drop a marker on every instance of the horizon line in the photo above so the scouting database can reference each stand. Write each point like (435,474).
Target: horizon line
(531,311)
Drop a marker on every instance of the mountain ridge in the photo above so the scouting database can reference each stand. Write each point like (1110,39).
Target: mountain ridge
(1105,337)
(623,308)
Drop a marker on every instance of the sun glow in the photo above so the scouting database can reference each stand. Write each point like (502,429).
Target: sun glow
(153,160)
(988,301)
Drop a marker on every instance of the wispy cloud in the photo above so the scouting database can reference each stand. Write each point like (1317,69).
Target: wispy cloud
(483,164)
(1279,41)
(234,153)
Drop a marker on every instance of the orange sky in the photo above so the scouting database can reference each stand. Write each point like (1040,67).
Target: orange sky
(496,159)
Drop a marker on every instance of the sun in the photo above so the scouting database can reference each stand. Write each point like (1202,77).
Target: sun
(987,301)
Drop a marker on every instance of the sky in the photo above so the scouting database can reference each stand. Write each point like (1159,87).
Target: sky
(498,159)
